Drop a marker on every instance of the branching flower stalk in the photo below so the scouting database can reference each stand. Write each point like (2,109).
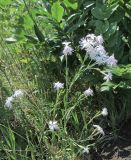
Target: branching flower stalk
(70,110)
(98,114)
(67,51)
(81,70)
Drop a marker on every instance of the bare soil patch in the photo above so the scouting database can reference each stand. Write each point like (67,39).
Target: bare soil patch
(120,149)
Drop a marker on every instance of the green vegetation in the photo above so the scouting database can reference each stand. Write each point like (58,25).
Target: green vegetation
(62,95)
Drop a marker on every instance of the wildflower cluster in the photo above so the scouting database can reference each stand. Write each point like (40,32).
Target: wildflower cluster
(96,51)
(17,94)
(93,45)
(53,125)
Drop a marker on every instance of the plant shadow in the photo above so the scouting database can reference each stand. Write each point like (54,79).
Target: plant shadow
(120,149)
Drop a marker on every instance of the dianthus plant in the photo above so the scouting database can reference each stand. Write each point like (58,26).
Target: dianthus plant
(72,123)
(74,112)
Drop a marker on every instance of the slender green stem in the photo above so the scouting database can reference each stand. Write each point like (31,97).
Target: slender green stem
(56,103)
(66,78)
(97,115)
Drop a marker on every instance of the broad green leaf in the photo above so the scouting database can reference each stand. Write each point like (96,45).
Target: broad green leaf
(101,13)
(25,60)
(101,26)
(123,71)
(76,26)
(111,30)
(104,12)
(39,34)
(119,71)
(70,4)
(106,86)
(28,23)
(117,15)
(57,11)
(127,25)
(113,40)
(5,2)
(119,51)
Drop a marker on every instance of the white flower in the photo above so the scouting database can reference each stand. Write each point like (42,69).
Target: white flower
(99,129)
(88,42)
(100,55)
(88,92)
(108,77)
(58,86)
(100,39)
(9,101)
(100,50)
(93,45)
(100,59)
(53,125)
(18,93)
(92,53)
(91,38)
(86,150)
(85,44)
(111,61)
(104,112)
(67,48)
